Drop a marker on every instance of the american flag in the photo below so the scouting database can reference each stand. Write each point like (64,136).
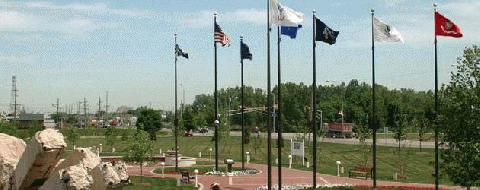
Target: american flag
(220,36)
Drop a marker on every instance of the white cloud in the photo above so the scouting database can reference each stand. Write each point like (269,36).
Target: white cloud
(393,3)
(465,14)
(71,19)
(255,16)
(204,18)
(17,59)
(95,8)
(13,21)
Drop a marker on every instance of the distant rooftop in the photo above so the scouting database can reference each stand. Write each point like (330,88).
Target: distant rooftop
(31,117)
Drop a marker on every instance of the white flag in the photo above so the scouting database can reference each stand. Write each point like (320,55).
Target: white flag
(384,32)
(284,16)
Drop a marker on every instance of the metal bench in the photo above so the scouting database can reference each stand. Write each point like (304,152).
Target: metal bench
(186,177)
(362,171)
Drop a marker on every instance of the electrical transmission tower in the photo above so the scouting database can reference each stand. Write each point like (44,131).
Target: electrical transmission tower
(14,105)
(57,117)
(99,106)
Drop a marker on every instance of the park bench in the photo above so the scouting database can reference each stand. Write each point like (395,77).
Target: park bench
(186,177)
(360,171)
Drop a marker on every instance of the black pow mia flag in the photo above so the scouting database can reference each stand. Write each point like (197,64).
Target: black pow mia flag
(324,33)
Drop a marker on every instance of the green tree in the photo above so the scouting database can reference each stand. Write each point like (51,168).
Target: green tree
(125,135)
(400,130)
(460,120)
(399,134)
(363,133)
(422,127)
(9,129)
(139,149)
(111,136)
(72,135)
(188,120)
(150,121)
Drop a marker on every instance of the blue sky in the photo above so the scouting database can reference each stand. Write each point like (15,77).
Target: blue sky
(76,49)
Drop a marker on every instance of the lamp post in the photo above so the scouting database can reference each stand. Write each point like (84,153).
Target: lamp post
(163,169)
(289,161)
(196,177)
(338,167)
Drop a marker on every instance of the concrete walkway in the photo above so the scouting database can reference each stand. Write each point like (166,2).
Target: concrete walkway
(289,177)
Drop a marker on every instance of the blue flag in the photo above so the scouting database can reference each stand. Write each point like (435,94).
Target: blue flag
(290,31)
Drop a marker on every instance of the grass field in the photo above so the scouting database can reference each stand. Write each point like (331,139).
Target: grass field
(418,168)
(148,183)
(409,136)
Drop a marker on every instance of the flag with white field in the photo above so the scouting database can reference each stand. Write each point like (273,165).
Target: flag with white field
(288,19)
(284,16)
(384,32)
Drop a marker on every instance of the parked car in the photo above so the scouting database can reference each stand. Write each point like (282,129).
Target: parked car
(203,130)
(188,133)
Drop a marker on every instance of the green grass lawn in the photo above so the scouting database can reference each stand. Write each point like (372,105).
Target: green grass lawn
(148,183)
(419,167)
(409,136)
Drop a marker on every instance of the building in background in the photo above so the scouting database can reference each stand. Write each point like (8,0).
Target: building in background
(339,130)
(27,120)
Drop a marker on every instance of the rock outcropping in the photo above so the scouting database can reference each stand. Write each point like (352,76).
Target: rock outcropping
(11,149)
(38,165)
(79,171)
(39,159)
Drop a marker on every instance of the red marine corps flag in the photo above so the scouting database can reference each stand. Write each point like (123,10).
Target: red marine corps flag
(445,27)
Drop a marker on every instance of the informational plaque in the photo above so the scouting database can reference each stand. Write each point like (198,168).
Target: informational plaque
(297,148)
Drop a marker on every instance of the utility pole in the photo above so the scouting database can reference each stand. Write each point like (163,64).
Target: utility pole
(85,111)
(106,107)
(79,108)
(99,106)
(57,105)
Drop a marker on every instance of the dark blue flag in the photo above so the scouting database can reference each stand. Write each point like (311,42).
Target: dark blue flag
(324,33)
(179,52)
(245,51)
(290,31)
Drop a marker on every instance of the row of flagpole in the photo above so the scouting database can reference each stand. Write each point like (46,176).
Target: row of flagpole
(288,22)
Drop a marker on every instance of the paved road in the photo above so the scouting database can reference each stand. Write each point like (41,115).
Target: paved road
(290,177)
(380,140)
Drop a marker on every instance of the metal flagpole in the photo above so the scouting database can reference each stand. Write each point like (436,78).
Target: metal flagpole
(279,112)
(314,105)
(217,122)
(436,107)
(374,116)
(176,112)
(243,106)
(269,104)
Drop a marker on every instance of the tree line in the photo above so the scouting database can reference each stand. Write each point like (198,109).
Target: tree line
(353,100)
